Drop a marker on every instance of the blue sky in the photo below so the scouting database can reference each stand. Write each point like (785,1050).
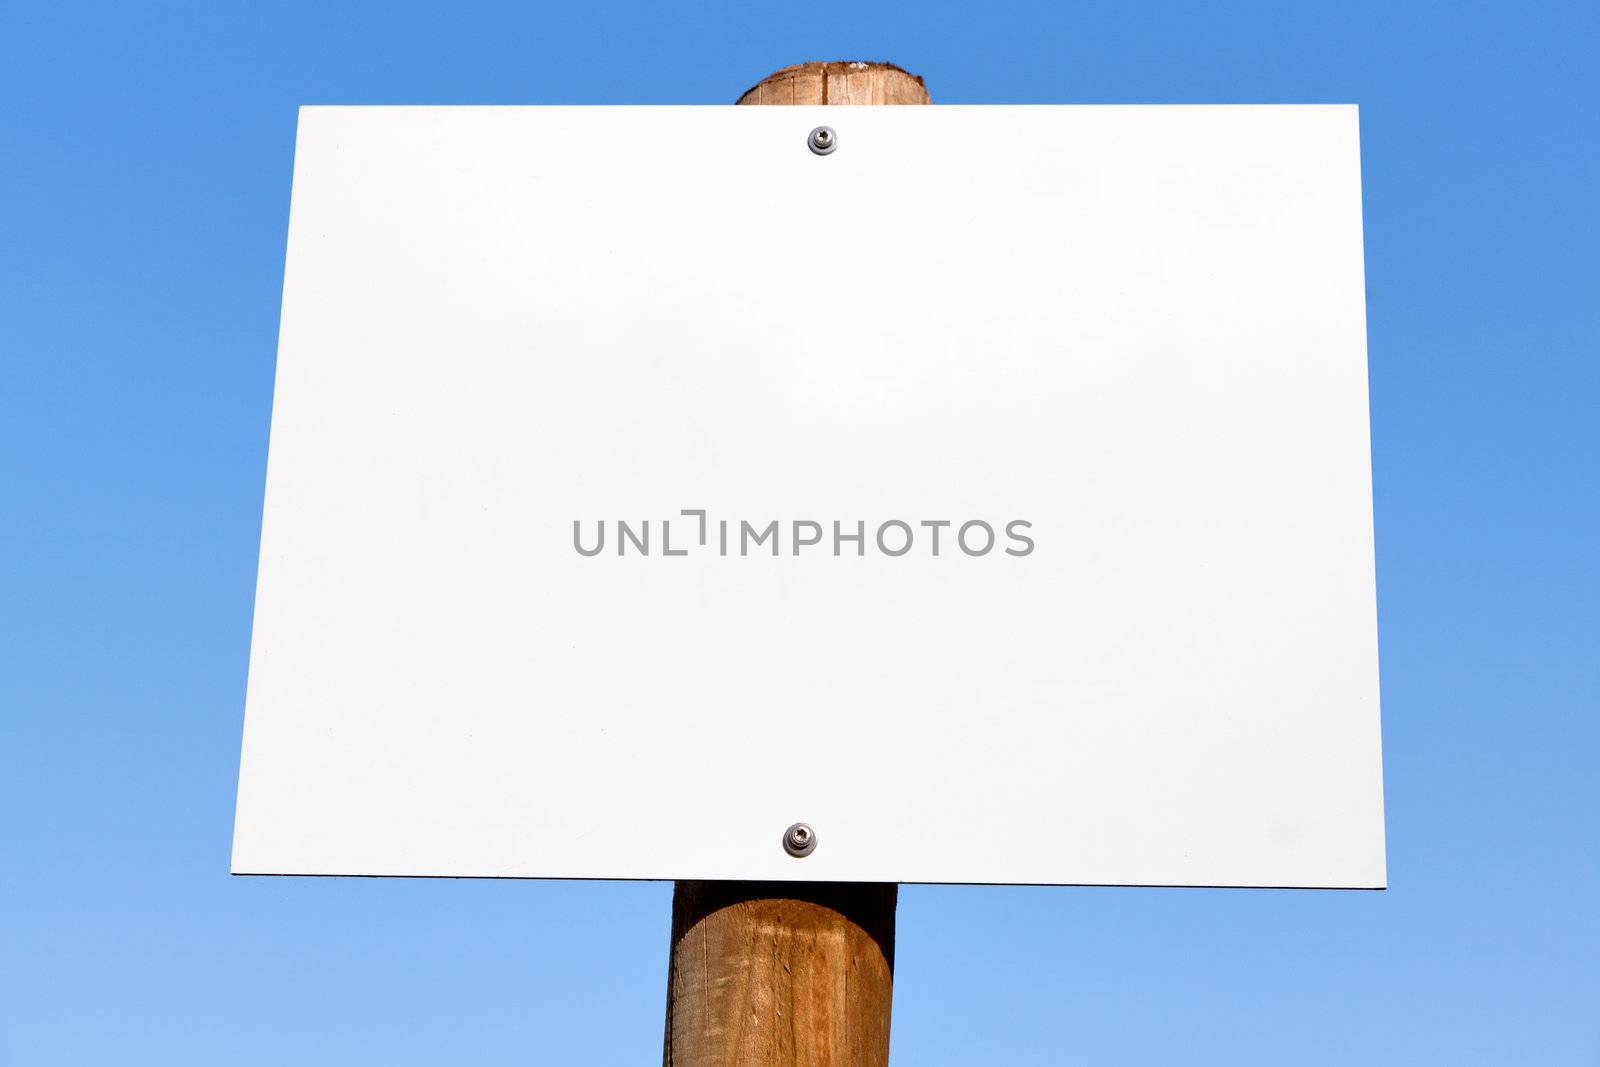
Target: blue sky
(145,153)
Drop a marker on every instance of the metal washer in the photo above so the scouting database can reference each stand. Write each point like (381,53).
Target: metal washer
(822,140)
(800,840)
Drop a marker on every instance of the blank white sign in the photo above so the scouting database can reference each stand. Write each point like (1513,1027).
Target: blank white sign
(1083,388)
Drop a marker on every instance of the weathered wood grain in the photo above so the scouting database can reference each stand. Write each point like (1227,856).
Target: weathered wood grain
(791,973)
(838,83)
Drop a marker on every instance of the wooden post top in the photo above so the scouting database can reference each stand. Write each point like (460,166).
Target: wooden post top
(838,83)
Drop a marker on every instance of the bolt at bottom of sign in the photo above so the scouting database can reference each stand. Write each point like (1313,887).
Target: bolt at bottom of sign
(799,840)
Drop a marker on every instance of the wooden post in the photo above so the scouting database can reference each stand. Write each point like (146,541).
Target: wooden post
(788,974)
(780,973)
(838,83)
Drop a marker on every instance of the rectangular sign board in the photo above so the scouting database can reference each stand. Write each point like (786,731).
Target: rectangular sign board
(991,493)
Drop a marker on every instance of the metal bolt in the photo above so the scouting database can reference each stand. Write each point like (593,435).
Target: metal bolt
(800,840)
(823,140)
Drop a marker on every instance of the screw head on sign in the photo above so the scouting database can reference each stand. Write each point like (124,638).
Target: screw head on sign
(823,140)
(799,840)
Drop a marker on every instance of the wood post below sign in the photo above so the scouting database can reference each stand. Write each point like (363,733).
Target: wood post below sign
(780,973)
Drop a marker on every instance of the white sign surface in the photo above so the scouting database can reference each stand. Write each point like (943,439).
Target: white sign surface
(992,494)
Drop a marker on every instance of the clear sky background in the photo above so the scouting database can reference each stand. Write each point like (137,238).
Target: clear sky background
(145,154)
